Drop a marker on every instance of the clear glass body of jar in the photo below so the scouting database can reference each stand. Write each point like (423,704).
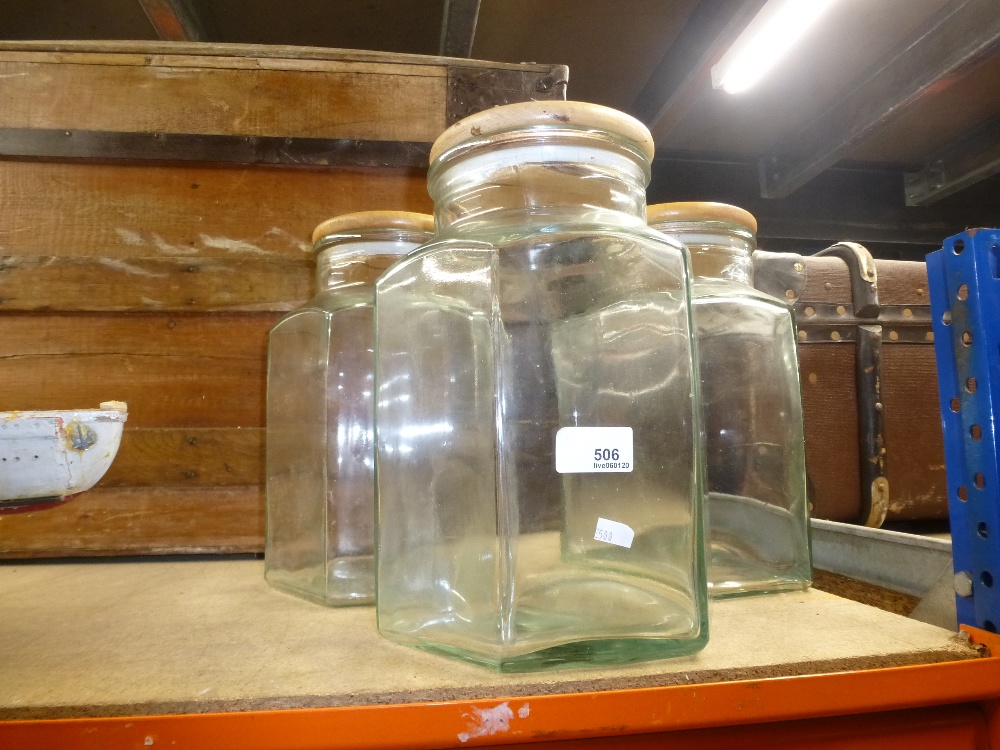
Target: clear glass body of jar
(545,303)
(320,506)
(757,506)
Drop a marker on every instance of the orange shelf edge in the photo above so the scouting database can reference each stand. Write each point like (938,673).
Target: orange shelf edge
(470,723)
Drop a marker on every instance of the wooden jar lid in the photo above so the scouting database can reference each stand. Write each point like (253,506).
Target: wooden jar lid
(553,113)
(701,211)
(374,220)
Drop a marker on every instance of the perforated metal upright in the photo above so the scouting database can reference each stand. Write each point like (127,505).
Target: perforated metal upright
(964,281)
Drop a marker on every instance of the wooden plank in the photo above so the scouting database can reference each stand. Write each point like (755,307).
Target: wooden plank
(173,371)
(237,337)
(147,52)
(120,521)
(83,640)
(167,391)
(191,457)
(174,238)
(109,272)
(120,212)
(426,67)
(387,105)
(165,284)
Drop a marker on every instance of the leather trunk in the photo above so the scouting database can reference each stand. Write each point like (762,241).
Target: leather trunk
(874,447)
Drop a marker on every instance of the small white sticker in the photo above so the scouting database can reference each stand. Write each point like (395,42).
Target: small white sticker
(614,532)
(582,450)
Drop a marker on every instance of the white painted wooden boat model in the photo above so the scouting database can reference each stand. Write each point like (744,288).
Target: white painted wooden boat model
(47,457)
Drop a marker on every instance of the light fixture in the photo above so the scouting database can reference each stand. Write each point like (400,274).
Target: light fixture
(766,39)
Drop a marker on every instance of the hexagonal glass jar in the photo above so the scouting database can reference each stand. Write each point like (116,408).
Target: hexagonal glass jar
(539,496)
(751,406)
(320,507)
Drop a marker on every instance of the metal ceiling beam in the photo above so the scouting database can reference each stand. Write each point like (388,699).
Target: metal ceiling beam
(844,203)
(685,69)
(963,162)
(175,20)
(965,31)
(458,27)
(102,145)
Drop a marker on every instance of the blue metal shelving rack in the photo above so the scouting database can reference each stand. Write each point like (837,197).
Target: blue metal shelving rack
(964,283)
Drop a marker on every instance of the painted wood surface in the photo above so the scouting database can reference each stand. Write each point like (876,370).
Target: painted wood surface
(48,455)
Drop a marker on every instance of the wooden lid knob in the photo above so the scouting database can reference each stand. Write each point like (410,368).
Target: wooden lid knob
(509,117)
(374,220)
(701,211)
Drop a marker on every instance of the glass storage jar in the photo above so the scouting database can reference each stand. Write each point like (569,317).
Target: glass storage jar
(757,507)
(538,472)
(320,507)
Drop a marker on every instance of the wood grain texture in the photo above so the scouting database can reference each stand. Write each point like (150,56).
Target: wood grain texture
(918,487)
(103,237)
(122,212)
(324,100)
(162,391)
(173,371)
(157,284)
(127,52)
(74,284)
(120,521)
(191,457)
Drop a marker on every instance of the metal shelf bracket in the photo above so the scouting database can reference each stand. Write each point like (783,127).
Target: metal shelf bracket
(964,283)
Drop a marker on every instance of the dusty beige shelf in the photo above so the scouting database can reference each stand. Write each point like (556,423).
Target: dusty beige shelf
(113,639)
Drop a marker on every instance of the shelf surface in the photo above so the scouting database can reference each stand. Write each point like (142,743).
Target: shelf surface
(145,638)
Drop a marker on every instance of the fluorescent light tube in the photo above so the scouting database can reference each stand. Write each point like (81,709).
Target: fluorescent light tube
(766,39)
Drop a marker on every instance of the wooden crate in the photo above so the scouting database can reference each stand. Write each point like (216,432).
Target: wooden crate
(156,202)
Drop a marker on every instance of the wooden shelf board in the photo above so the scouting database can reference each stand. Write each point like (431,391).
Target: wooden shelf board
(143,638)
